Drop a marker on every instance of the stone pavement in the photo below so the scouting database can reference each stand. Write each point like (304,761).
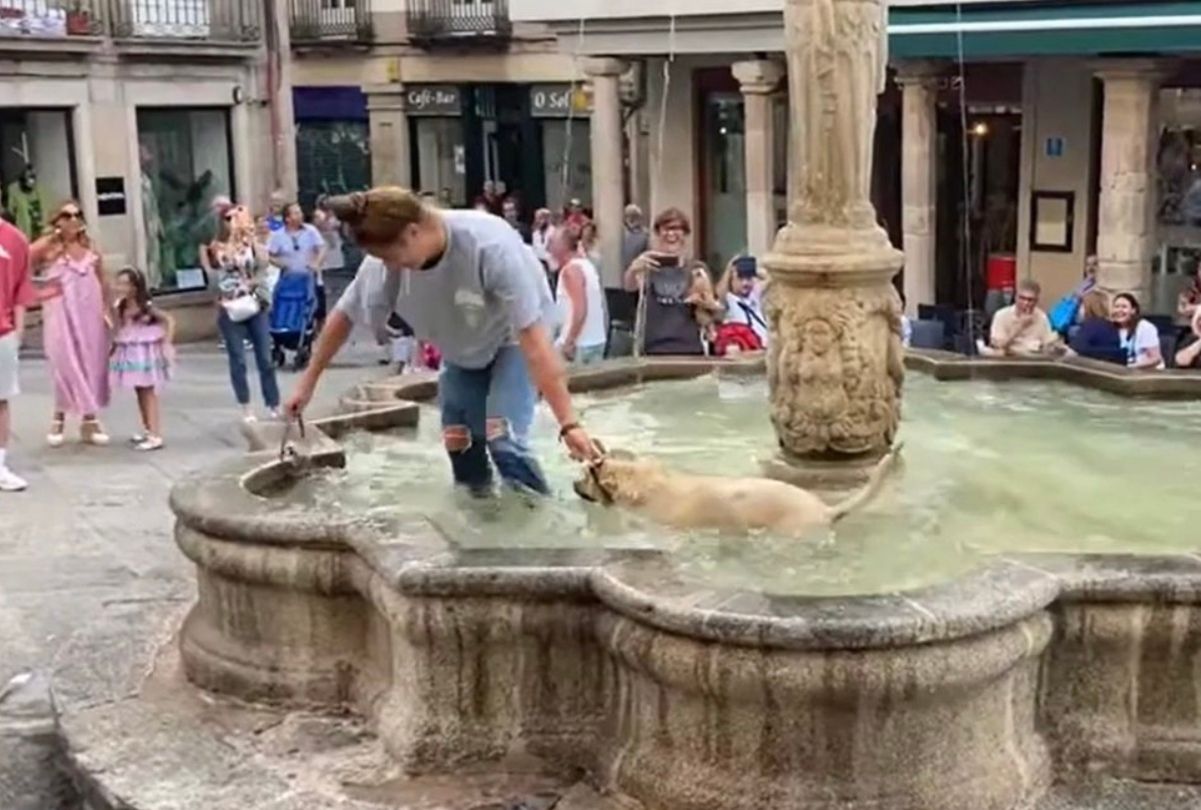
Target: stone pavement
(94,528)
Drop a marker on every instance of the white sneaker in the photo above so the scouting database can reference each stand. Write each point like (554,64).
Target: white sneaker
(10,481)
(150,443)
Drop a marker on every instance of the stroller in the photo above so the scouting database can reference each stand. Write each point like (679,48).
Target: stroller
(293,318)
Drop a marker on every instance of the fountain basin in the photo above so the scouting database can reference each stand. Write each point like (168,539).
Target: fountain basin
(609,658)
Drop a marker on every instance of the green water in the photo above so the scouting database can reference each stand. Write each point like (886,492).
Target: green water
(989,468)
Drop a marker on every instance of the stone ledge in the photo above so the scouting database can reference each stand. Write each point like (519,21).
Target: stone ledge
(1108,377)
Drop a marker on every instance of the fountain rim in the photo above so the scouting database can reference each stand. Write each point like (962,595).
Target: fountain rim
(216,509)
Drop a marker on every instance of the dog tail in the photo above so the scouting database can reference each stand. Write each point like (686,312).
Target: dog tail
(870,490)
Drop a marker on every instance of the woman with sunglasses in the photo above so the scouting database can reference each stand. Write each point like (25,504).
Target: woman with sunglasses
(240,262)
(75,324)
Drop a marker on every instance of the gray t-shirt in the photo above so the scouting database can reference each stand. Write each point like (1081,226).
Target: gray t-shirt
(486,288)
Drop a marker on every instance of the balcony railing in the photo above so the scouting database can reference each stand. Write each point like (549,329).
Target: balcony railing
(172,20)
(51,19)
(320,21)
(459,22)
(218,20)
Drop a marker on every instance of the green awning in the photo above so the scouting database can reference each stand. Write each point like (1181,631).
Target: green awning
(1045,29)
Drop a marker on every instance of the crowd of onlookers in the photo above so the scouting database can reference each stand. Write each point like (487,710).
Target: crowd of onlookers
(102,330)
(1093,324)
(670,302)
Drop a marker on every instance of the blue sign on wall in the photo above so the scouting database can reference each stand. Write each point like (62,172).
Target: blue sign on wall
(1055,146)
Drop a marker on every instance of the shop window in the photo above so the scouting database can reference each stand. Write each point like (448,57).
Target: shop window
(442,158)
(37,165)
(186,164)
(567,161)
(725,178)
(332,157)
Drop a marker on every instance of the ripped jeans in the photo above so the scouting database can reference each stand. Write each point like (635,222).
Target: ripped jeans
(489,412)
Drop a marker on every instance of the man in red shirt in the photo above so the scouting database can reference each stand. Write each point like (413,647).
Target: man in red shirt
(16,294)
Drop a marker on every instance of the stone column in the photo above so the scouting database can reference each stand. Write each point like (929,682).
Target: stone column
(835,360)
(608,195)
(391,151)
(282,112)
(758,79)
(1126,216)
(919,180)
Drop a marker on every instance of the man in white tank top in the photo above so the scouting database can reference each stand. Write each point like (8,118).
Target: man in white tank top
(581,300)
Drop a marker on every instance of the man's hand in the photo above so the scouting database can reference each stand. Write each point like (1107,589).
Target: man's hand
(580,445)
(568,349)
(300,397)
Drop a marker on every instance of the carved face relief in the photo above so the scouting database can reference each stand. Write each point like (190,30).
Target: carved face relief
(819,336)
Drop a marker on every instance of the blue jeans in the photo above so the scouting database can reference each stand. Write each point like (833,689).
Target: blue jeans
(235,336)
(489,411)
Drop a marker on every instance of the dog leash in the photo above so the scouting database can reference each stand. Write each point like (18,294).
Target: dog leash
(283,443)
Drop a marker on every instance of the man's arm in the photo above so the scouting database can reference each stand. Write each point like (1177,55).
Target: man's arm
(24,295)
(320,248)
(1188,355)
(333,336)
(546,369)
(275,251)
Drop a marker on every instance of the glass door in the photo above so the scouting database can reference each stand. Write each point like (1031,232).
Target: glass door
(724,178)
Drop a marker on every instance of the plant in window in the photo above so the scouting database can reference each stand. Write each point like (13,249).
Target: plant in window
(189,221)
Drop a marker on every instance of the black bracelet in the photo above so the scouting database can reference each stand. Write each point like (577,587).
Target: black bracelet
(570,426)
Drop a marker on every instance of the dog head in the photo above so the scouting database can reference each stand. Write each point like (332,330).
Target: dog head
(618,477)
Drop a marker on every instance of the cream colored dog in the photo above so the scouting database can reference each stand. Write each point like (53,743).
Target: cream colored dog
(709,501)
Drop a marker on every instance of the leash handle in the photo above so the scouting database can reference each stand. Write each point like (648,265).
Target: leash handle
(283,443)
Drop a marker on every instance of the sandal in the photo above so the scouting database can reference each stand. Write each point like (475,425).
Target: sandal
(150,443)
(55,437)
(92,432)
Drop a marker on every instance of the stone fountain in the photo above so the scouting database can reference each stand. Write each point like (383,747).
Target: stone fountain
(602,671)
(835,364)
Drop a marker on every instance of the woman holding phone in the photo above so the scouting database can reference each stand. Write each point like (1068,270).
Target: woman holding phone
(675,306)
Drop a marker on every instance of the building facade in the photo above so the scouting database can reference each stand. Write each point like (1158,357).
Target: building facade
(1026,132)
(438,96)
(144,111)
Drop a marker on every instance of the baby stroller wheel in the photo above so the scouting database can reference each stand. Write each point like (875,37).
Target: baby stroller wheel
(301,360)
(278,356)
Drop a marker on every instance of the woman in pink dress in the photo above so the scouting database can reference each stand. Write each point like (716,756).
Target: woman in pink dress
(75,331)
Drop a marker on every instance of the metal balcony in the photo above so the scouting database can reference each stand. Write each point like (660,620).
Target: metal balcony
(191,20)
(452,23)
(316,22)
(51,19)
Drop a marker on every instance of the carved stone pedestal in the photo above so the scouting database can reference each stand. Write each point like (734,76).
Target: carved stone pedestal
(835,363)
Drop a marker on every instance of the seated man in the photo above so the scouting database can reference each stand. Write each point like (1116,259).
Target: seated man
(1022,329)
(1189,353)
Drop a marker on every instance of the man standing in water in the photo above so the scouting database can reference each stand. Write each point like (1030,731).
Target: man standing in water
(464,281)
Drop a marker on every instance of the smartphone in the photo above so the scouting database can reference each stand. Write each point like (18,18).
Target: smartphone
(666,260)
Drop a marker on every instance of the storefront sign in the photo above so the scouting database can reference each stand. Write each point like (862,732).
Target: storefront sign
(433,99)
(110,196)
(560,100)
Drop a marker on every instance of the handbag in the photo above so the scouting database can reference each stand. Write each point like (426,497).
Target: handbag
(242,308)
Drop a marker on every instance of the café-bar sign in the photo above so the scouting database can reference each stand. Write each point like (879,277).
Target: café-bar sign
(560,100)
(433,99)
